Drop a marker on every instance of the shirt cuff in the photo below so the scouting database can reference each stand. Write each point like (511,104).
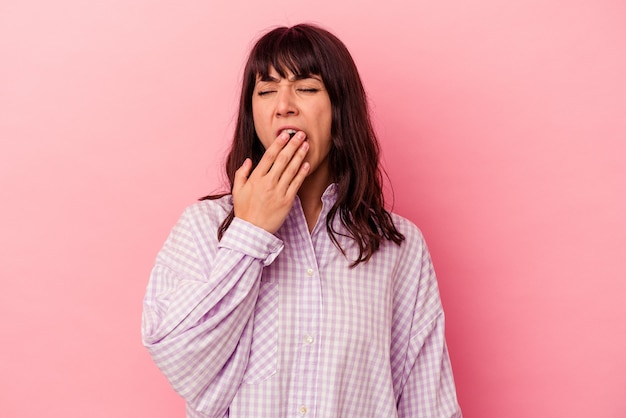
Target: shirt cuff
(251,240)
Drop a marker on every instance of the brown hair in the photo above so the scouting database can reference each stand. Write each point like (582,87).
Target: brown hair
(306,50)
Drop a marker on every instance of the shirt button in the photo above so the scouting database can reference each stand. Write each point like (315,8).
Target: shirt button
(308,339)
(302,410)
(309,272)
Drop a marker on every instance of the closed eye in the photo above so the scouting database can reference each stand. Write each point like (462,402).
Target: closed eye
(309,90)
(265,92)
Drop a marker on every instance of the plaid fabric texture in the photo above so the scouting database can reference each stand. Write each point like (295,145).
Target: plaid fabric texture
(263,325)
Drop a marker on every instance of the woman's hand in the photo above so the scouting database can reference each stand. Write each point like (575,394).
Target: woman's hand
(265,196)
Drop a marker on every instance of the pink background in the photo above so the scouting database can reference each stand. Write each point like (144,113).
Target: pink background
(503,125)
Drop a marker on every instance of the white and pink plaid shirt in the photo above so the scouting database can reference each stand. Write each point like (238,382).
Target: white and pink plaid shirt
(263,325)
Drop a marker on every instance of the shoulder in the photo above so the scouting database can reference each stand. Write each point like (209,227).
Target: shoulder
(413,255)
(214,210)
(412,234)
(203,218)
(197,226)
(415,280)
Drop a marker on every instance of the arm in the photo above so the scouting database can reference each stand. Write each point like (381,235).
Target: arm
(427,385)
(429,390)
(199,308)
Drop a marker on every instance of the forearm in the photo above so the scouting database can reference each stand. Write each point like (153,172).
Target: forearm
(195,339)
(198,314)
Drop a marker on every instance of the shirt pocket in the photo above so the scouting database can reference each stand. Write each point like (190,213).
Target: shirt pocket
(263,359)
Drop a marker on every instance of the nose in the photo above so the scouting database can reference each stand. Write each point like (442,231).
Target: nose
(286,105)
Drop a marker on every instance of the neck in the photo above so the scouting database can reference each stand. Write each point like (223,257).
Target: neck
(310,195)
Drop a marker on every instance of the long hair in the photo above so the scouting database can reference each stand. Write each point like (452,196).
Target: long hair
(306,50)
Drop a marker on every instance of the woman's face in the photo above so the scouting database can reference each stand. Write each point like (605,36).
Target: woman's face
(299,104)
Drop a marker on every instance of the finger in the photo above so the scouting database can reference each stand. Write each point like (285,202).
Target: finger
(266,162)
(298,179)
(241,175)
(286,177)
(285,156)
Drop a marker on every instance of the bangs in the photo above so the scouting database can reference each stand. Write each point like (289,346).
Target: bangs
(287,50)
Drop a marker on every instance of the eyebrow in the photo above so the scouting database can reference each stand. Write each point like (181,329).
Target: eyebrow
(269,78)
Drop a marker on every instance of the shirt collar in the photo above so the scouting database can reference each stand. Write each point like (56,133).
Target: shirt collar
(330,194)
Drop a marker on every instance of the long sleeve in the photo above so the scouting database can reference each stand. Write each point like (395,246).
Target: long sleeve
(199,305)
(264,325)
(426,383)
(429,390)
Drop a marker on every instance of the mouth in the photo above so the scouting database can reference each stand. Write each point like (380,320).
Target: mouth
(290,131)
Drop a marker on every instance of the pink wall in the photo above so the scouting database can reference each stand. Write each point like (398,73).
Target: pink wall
(504,131)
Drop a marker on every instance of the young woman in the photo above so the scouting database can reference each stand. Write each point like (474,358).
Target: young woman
(298,293)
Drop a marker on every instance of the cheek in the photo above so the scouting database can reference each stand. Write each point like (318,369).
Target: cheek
(327,116)
(328,121)
(260,128)
(256,118)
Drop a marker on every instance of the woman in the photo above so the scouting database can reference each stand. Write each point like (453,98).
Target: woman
(297,293)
